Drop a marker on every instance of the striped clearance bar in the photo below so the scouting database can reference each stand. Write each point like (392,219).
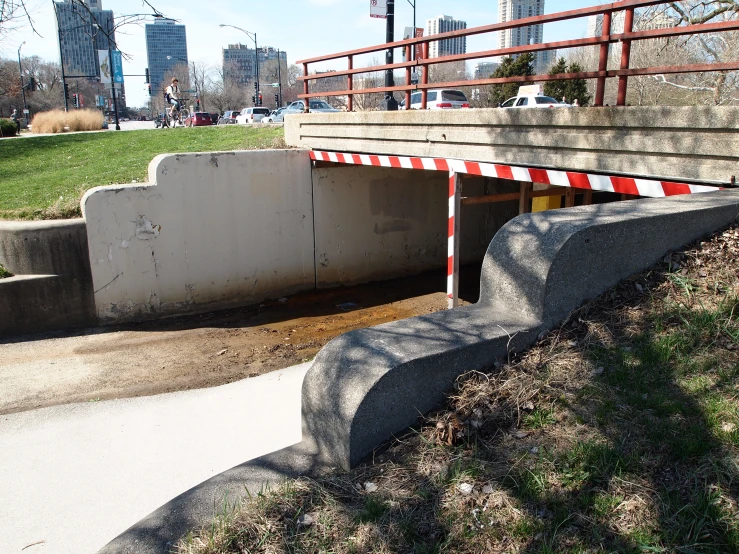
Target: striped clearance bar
(455,168)
(574,179)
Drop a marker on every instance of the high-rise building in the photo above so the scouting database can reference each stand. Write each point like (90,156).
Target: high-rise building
(450,46)
(238,62)
(166,48)
(508,10)
(82,32)
(484,70)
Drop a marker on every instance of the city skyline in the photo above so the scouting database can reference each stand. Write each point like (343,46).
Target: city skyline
(450,46)
(509,10)
(166,49)
(328,26)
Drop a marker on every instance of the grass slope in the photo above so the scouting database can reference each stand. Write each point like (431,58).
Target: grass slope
(618,432)
(45,177)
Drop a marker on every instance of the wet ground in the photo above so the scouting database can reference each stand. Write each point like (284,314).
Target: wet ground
(208,349)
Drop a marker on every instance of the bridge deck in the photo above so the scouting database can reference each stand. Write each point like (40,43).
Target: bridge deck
(679,144)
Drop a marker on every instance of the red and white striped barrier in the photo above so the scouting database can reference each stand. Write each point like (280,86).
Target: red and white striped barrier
(574,179)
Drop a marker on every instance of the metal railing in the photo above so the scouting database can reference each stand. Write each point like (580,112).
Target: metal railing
(604,41)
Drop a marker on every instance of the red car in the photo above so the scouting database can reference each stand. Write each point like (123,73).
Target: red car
(198,119)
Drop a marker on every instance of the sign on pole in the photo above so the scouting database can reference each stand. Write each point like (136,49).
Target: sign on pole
(106,75)
(117,63)
(378,8)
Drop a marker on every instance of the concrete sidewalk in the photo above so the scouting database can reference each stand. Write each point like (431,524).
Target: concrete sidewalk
(76,476)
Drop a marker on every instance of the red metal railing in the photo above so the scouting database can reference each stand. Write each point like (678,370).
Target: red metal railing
(604,41)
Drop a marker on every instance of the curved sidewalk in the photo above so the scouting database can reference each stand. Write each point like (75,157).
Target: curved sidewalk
(73,477)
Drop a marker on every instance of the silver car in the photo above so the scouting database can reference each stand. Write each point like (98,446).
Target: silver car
(316,106)
(277,116)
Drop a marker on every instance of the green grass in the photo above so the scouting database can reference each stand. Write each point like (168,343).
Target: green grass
(44,177)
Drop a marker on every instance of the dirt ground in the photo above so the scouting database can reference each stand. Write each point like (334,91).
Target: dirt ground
(208,349)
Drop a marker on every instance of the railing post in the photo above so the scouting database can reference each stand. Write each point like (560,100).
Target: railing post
(408,54)
(306,101)
(600,88)
(623,80)
(350,83)
(424,74)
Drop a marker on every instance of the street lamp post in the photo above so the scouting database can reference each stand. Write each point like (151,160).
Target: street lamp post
(252,36)
(23,88)
(413,53)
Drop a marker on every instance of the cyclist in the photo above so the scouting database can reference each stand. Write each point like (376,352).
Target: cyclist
(172,95)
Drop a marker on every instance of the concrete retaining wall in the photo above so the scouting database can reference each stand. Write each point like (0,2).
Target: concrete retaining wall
(52,286)
(677,143)
(210,231)
(228,229)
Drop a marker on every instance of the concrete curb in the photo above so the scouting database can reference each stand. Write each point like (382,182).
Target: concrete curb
(368,384)
(52,287)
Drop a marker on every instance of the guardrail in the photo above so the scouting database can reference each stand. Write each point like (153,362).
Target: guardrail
(604,41)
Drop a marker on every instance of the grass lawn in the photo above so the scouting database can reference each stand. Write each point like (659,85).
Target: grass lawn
(618,432)
(44,177)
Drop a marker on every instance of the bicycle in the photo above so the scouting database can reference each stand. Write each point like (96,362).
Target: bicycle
(179,115)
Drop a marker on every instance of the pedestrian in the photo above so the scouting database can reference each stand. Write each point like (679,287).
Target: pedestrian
(575,103)
(14,117)
(564,100)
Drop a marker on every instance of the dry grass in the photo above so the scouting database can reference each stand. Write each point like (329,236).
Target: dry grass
(618,432)
(59,121)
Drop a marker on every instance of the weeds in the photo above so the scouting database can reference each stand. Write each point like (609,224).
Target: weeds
(616,433)
(59,121)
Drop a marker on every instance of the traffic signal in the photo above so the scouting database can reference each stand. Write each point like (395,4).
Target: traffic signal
(260,99)
(277,99)
(197,104)
(254,99)
(146,77)
(66,91)
(75,101)
(256,87)
(149,90)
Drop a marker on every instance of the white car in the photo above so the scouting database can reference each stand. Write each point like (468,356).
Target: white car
(532,96)
(439,99)
(247,116)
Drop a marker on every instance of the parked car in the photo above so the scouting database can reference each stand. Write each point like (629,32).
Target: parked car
(316,106)
(532,96)
(276,116)
(228,118)
(198,119)
(247,116)
(439,99)
(215,116)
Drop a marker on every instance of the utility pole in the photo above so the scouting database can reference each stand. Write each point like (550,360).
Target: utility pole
(23,88)
(279,76)
(390,103)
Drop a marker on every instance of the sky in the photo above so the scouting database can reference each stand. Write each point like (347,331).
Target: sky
(304,29)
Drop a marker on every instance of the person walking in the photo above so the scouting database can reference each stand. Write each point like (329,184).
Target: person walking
(14,117)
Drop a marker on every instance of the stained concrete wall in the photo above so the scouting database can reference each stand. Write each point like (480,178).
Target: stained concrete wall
(228,229)
(676,143)
(209,231)
(375,223)
(52,286)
